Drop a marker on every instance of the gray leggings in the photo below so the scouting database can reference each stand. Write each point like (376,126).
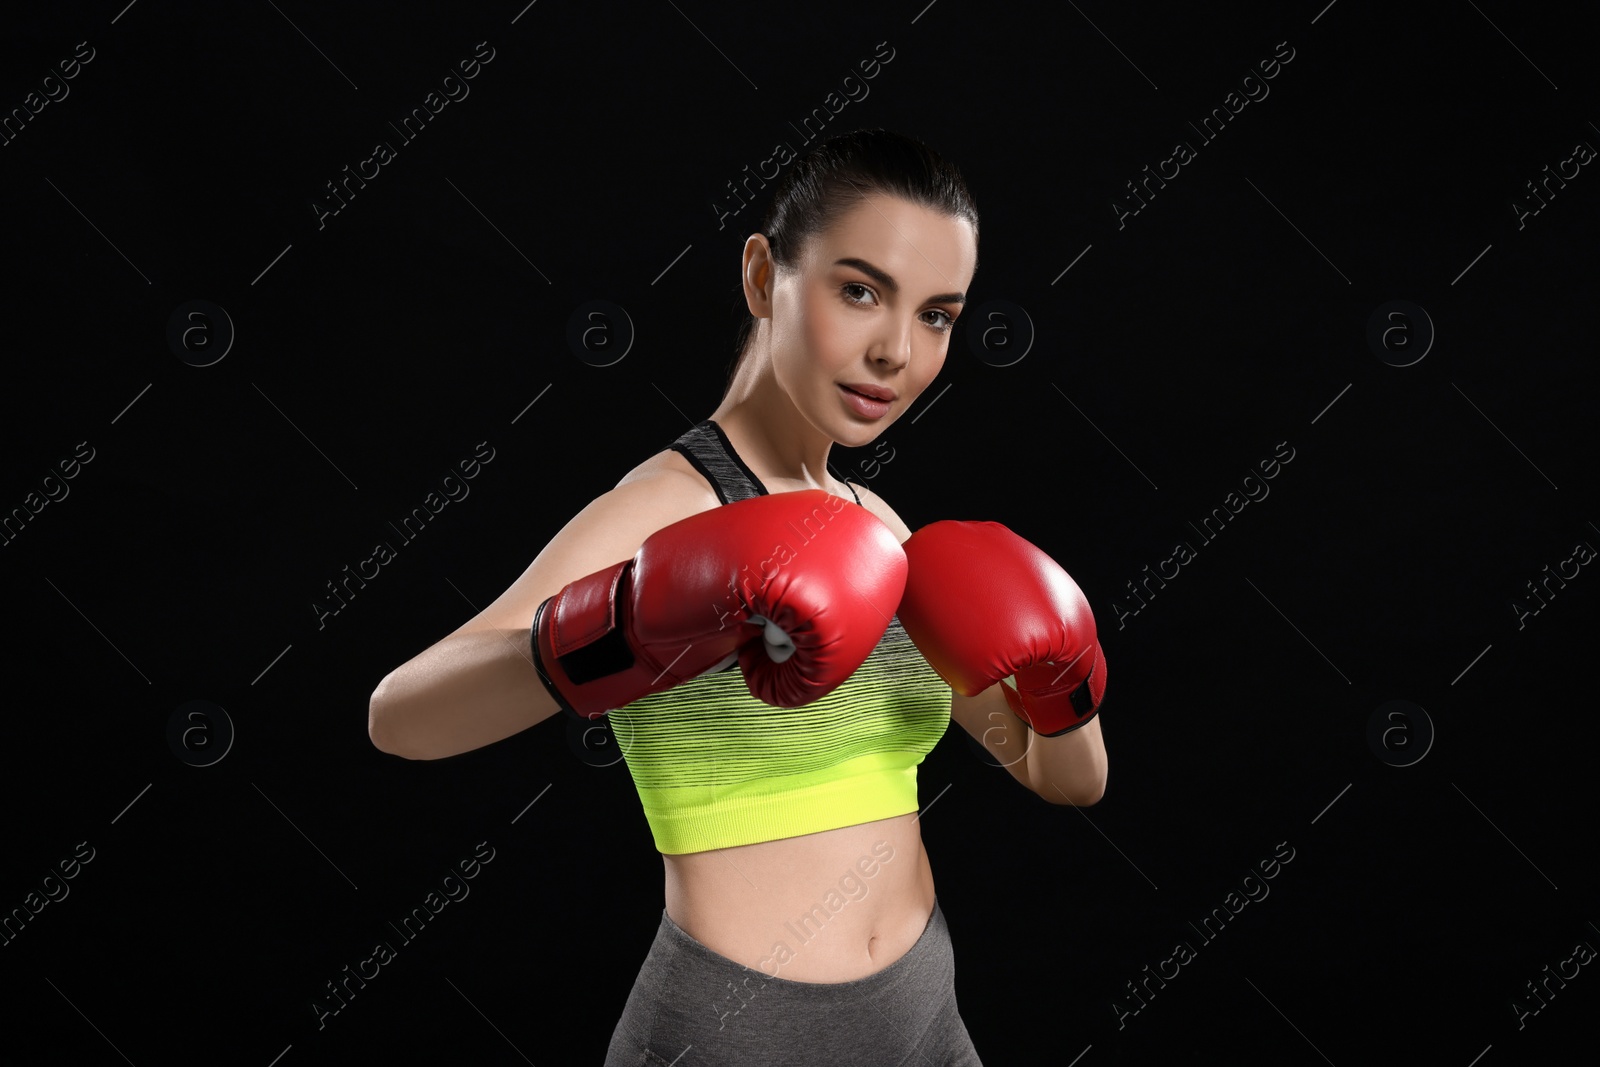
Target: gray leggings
(694,1007)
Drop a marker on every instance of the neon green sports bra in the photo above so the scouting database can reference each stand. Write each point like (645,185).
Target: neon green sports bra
(715,767)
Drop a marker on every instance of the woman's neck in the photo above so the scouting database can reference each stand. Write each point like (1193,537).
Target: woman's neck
(777,442)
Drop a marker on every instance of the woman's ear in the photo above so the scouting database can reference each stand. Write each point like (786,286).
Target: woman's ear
(758,275)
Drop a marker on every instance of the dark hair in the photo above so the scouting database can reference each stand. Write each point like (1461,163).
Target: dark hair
(837,174)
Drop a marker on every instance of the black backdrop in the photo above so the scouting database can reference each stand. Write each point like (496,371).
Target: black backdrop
(184,481)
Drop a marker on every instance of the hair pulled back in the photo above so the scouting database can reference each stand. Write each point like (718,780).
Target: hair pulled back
(836,175)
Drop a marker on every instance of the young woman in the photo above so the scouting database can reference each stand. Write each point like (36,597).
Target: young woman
(801,924)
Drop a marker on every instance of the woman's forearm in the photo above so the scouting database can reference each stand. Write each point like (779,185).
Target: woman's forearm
(1069,768)
(468,690)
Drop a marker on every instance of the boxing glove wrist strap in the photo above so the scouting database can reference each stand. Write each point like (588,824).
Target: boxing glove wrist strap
(581,649)
(1051,712)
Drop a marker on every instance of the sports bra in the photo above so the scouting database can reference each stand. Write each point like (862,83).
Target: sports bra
(715,767)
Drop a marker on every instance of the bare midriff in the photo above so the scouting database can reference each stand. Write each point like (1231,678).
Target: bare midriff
(823,907)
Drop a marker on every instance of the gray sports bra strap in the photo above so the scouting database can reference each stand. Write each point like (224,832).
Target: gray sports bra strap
(708,449)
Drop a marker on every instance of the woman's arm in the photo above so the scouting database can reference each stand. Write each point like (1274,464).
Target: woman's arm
(1068,769)
(471,689)
(479,685)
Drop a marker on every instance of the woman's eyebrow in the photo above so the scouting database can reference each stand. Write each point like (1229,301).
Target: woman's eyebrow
(883,278)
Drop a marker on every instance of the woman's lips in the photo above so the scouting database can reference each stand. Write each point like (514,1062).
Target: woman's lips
(864,405)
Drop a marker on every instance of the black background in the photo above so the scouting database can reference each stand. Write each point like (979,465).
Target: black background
(371,354)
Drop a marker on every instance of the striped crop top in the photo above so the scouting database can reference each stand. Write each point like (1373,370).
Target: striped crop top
(715,767)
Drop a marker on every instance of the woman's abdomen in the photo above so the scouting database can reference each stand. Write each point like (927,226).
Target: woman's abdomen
(832,906)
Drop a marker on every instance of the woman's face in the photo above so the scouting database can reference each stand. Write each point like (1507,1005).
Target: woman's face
(870,302)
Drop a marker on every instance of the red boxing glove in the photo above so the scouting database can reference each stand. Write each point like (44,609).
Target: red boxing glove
(799,586)
(983,604)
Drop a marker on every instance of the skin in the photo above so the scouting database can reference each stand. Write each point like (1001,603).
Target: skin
(820,325)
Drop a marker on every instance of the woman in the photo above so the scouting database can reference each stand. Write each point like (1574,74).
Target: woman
(801,924)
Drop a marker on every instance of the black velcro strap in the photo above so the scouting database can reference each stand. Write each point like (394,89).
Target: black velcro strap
(609,653)
(1082,699)
(606,655)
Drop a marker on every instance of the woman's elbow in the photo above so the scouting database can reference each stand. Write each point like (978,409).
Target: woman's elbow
(1085,795)
(1094,790)
(378,728)
(381,725)
(1091,795)
(1085,792)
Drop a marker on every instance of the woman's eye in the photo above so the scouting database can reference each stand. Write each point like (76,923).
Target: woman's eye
(849,289)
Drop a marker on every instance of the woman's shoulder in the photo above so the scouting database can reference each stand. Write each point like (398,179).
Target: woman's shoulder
(669,472)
